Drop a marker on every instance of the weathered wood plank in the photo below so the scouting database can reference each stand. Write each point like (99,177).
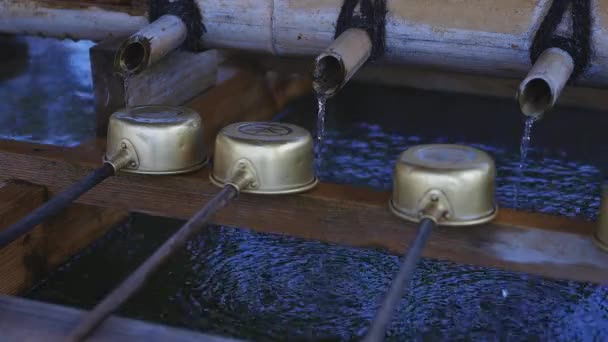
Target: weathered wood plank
(23,320)
(30,257)
(547,245)
(17,199)
(75,228)
(174,80)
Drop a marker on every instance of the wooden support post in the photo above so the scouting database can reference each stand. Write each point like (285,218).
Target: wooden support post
(28,320)
(547,245)
(30,257)
(108,87)
(173,81)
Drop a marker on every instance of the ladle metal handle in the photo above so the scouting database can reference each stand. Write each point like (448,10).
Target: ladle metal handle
(400,284)
(55,204)
(138,278)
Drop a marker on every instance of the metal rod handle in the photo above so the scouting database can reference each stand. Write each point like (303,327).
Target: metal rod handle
(138,278)
(55,204)
(400,284)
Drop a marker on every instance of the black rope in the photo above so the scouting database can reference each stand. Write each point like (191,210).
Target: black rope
(578,45)
(190,14)
(54,205)
(371,17)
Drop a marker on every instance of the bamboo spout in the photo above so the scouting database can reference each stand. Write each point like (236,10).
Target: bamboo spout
(541,88)
(336,65)
(150,44)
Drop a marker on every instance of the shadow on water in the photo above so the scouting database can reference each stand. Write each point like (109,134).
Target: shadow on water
(269,287)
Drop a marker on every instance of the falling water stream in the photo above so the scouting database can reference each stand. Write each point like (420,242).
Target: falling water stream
(321,102)
(523,150)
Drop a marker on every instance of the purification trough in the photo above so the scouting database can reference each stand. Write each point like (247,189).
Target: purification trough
(150,59)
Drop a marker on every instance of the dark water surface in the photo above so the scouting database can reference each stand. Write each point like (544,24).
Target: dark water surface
(268,287)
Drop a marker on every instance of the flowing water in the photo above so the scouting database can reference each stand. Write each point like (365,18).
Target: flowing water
(320,132)
(523,151)
(265,287)
(525,141)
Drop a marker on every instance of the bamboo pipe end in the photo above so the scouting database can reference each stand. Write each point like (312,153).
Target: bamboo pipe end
(133,56)
(342,59)
(541,88)
(328,75)
(150,44)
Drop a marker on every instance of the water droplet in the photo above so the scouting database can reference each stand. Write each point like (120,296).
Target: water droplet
(523,150)
(321,100)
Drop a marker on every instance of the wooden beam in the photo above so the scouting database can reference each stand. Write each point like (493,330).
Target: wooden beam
(19,261)
(551,246)
(17,198)
(32,256)
(27,320)
(174,80)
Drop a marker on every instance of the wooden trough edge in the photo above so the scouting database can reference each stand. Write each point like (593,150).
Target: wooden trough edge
(28,320)
(550,246)
(31,257)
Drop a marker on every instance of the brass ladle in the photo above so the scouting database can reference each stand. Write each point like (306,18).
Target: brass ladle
(255,157)
(449,185)
(600,236)
(147,140)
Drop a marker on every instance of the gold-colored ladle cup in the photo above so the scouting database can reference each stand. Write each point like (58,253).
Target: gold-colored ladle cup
(146,139)
(439,184)
(600,235)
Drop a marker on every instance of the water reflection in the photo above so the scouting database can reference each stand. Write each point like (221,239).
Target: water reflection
(266,287)
(50,101)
